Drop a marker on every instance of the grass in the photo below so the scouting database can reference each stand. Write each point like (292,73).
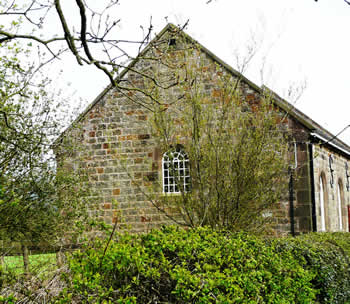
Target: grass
(38,263)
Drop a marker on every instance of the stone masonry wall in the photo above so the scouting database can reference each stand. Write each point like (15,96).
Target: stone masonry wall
(331,201)
(123,159)
(302,179)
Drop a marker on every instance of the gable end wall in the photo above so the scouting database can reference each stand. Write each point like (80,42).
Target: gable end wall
(119,152)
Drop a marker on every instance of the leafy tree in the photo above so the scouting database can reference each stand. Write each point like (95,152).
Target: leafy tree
(28,123)
(37,202)
(237,148)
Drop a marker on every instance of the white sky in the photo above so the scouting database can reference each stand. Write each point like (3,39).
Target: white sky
(302,40)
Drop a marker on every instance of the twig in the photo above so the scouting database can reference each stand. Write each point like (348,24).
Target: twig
(109,241)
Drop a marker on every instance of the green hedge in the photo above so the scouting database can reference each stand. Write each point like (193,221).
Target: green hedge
(173,265)
(326,255)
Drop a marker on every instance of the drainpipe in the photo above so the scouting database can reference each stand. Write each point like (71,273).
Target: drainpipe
(312,181)
(291,190)
(291,201)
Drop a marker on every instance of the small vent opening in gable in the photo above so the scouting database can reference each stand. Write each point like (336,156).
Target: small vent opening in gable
(172,41)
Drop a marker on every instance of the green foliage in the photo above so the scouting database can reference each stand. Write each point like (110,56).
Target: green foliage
(236,146)
(40,212)
(7,276)
(201,265)
(327,255)
(8,299)
(37,202)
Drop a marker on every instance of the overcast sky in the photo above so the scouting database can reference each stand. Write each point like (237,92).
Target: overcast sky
(298,41)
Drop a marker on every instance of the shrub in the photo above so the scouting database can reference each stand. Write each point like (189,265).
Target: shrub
(195,266)
(8,300)
(327,256)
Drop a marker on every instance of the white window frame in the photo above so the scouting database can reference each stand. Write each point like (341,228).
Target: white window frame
(339,206)
(322,205)
(176,171)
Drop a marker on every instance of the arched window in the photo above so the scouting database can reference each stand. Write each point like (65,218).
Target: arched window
(176,171)
(322,197)
(340,199)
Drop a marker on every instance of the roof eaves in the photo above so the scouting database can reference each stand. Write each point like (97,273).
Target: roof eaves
(330,142)
(280,102)
(291,110)
(313,126)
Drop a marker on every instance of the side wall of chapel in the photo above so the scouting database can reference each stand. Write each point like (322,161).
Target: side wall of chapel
(330,169)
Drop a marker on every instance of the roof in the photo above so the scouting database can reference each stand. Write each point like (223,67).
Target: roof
(317,132)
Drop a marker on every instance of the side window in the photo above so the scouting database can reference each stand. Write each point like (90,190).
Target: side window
(323,202)
(176,171)
(340,199)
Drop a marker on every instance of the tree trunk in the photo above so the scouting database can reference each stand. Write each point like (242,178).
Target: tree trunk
(59,258)
(25,255)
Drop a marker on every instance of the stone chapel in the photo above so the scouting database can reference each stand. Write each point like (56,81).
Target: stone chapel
(116,122)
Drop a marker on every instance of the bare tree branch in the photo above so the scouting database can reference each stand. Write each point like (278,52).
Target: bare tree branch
(68,37)
(91,44)
(8,37)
